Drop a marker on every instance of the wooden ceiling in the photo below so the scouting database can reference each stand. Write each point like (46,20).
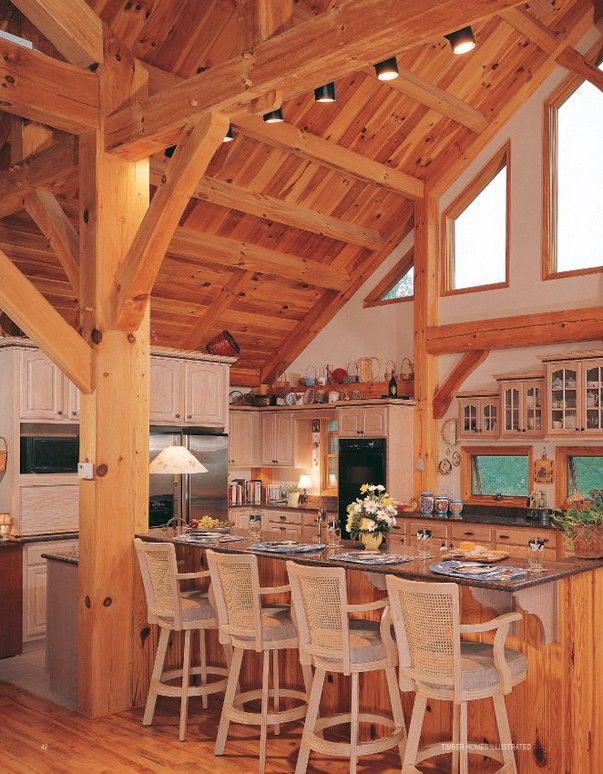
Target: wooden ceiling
(290,219)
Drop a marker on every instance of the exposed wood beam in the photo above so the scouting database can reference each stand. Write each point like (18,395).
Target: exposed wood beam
(43,324)
(598,16)
(461,371)
(214,311)
(313,148)
(244,377)
(579,64)
(47,213)
(46,90)
(262,206)
(427,93)
(526,330)
(223,251)
(27,138)
(139,269)
(257,20)
(70,25)
(324,48)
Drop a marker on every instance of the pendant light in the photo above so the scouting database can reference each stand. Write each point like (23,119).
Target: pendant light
(325,93)
(461,41)
(387,70)
(274,116)
(229,136)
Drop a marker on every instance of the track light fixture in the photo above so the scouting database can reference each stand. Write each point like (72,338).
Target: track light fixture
(461,41)
(387,70)
(169,152)
(325,93)
(274,116)
(229,136)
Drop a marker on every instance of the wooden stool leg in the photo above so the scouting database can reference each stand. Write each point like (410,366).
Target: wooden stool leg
(149,711)
(203,663)
(456,710)
(504,732)
(354,724)
(396,704)
(463,738)
(414,733)
(264,710)
(186,666)
(231,689)
(311,717)
(276,684)
(307,675)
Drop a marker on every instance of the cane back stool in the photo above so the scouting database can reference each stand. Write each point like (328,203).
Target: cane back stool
(436,663)
(176,611)
(333,642)
(246,624)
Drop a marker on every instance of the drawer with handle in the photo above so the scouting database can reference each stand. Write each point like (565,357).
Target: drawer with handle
(284,529)
(519,536)
(476,533)
(438,530)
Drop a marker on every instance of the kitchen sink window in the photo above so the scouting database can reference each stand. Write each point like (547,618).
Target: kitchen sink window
(496,475)
(580,469)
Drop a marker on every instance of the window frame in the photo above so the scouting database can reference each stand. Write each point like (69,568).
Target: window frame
(562,453)
(374,298)
(325,457)
(467,452)
(549,173)
(501,159)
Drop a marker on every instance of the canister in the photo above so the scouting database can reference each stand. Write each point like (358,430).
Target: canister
(426,502)
(441,504)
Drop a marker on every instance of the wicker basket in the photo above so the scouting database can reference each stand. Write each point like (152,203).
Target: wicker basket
(3,454)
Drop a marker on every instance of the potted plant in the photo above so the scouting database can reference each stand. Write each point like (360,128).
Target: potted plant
(582,525)
(291,490)
(371,517)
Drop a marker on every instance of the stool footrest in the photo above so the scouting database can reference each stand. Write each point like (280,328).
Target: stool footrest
(319,744)
(237,714)
(215,686)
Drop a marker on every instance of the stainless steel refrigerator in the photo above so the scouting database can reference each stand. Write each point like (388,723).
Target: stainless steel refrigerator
(190,496)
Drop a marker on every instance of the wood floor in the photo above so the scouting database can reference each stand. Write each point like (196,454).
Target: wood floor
(39,736)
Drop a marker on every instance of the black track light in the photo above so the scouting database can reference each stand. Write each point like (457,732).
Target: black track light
(461,41)
(229,136)
(169,152)
(325,93)
(387,70)
(274,116)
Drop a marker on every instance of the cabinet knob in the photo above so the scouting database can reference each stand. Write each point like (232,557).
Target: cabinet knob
(190,416)
(74,413)
(283,518)
(60,413)
(468,534)
(177,416)
(503,537)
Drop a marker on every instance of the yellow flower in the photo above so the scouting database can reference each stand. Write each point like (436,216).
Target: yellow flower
(364,488)
(387,501)
(366,523)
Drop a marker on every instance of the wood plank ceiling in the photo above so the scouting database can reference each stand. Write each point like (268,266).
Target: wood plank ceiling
(283,228)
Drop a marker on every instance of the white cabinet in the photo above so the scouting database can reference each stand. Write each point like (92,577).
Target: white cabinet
(362,420)
(166,391)
(45,393)
(243,438)
(277,439)
(479,415)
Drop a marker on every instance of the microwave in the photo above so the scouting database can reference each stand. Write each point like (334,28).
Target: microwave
(49,454)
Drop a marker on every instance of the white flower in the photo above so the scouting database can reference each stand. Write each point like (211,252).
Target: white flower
(379,488)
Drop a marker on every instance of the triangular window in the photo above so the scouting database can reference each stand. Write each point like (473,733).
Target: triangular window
(397,285)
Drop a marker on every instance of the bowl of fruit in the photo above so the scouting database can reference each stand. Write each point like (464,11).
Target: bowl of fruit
(209,524)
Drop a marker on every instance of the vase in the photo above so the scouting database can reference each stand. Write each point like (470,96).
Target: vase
(371,540)
(293,499)
(588,542)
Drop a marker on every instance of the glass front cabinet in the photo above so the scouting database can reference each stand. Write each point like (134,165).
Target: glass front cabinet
(575,389)
(479,416)
(522,407)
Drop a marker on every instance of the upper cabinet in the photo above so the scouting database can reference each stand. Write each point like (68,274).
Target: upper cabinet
(166,391)
(480,416)
(46,394)
(243,438)
(362,420)
(522,402)
(575,390)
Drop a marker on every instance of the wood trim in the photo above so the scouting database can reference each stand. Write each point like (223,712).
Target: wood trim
(499,161)
(70,25)
(454,381)
(311,147)
(598,15)
(374,298)
(48,215)
(527,330)
(43,324)
(582,66)
(561,455)
(506,451)
(47,90)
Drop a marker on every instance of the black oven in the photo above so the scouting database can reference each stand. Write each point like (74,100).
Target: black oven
(361,461)
(49,454)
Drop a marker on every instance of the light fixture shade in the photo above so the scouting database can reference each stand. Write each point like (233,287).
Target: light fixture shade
(229,136)
(176,459)
(387,70)
(305,482)
(169,152)
(461,41)
(274,116)
(325,93)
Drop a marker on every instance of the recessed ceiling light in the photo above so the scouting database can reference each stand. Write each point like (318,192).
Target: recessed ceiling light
(387,70)
(325,93)
(461,41)
(274,116)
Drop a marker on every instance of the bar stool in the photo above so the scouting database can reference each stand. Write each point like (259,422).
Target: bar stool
(176,610)
(333,642)
(436,663)
(246,624)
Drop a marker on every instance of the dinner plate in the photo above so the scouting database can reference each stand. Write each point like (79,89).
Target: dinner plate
(290,399)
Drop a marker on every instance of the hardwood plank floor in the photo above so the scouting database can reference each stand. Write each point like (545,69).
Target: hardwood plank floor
(38,736)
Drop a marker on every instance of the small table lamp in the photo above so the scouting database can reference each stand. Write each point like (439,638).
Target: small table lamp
(305,482)
(5,525)
(176,460)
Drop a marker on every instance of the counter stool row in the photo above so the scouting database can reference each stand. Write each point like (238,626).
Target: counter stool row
(434,661)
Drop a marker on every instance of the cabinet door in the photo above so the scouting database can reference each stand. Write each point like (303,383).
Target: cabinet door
(268,422)
(488,413)
(34,613)
(592,397)
(206,391)
(243,437)
(469,410)
(166,391)
(563,388)
(533,408)
(350,421)
(511,419)
(283,438)
(41,387)
(72,407)
(374,421)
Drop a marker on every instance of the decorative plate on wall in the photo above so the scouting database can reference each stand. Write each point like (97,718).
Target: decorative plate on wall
(444,467)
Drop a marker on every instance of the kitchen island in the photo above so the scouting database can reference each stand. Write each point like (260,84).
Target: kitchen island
(556,716)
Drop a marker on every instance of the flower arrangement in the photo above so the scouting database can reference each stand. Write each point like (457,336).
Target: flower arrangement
(373,514)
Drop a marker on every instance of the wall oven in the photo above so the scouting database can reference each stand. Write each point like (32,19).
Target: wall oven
(49,454)
(361,461)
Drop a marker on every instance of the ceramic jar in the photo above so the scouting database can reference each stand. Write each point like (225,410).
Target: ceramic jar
(441,505)
(427,503)
(455,506)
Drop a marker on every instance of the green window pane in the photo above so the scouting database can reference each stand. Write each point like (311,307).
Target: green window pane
(584,474)
(494,474)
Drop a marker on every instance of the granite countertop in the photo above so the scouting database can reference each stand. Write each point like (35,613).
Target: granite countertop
(486,517)
(414,570)
(49,538)
(284,507)
(10,541)
(66,558)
